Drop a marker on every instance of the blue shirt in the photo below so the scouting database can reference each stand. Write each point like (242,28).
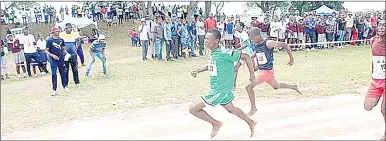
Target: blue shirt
(192,28)
(174,29)
(264,56)
(97,47)
(229,28)
(168,32)
(308,23)
(55,46)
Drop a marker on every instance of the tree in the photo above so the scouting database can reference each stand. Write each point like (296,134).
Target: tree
(208,8)
(192,6)
(219,5)
(302,6)
(23,4)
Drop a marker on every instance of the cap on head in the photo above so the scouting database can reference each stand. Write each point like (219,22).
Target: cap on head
(68,25)
(143,19)
(54,29)
(102,37)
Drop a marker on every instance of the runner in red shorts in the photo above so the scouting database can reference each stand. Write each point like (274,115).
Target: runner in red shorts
(264,54)
(377,87)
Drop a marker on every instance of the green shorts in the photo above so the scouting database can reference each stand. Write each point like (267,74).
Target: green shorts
(213,98)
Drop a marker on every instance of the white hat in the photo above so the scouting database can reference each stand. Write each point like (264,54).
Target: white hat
(143,19)
(101,37)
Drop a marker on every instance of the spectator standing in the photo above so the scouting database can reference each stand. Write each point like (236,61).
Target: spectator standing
(341,25)
(23,14)
(320,29)
(192,29)
(28,42)
(228,36)
(210,22)
(264,27)
(201,35)
(71,40)
(134,37)
(168,39)
(3,60)
(349,26)
(310,32)
(18,54)
(144,37)
(159,38)
(56,51)
(120,15)
(330,30)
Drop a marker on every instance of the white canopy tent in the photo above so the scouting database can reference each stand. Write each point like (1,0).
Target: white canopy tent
(79,22)
(324,10)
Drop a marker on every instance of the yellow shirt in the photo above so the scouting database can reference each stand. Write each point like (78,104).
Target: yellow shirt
(349,22)
(69,38)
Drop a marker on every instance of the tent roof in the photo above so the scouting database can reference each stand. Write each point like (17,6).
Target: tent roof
(324,10)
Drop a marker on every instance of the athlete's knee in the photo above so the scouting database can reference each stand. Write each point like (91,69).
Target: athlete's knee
(193,109)
(368,107)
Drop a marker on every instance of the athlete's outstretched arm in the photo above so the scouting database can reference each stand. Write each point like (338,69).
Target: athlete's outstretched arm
(273,44)
(248,61)
(194,73)
(242,47)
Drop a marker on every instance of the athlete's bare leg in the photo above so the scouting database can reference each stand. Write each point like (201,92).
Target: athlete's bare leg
(371,102)
(276,85)
(254,60)
(239,113)
(196,109)
(251,95)
(237,66)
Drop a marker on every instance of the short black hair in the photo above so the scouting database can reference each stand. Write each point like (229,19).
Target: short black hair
(241,24)
(216,33)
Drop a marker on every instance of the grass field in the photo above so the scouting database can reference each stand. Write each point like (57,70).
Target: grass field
(135,84)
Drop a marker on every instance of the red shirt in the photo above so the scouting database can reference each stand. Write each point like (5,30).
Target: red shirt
(15,46)
(133,34)
(134,9)
(320,28)
(292,27)
(255,24)
(378,47)
(264,27)
(373,21)
(103,10)
(301,27)
(210,23)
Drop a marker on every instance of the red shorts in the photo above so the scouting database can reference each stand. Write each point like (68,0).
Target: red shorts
(377,88)
(265,75)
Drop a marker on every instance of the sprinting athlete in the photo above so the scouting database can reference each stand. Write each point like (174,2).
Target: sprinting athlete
(264,55)
(246,47)
(221,64)
(377,87)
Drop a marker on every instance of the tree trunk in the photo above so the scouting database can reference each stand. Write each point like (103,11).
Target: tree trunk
(149,9)
(143,9)
(192,6)
(208,8)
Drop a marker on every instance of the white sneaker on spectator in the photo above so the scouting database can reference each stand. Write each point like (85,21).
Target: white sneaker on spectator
(77,85)
(53,93)
(308,49)
(313,49)
(338,47)
(43,73)
(66,89)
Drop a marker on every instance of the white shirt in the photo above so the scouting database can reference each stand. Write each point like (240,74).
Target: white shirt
(28,42)
(143,35)
(220,27)
(41,44)
(200,30)
(274,26)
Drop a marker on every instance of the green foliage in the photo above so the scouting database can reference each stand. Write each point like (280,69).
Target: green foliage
(291,6)
(23,4)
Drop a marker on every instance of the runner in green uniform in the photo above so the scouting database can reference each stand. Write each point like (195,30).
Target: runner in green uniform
(221,68)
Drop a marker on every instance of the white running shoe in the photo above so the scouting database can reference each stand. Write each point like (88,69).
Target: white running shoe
(53,93)
(77,85)
(66,89)
(43,73)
